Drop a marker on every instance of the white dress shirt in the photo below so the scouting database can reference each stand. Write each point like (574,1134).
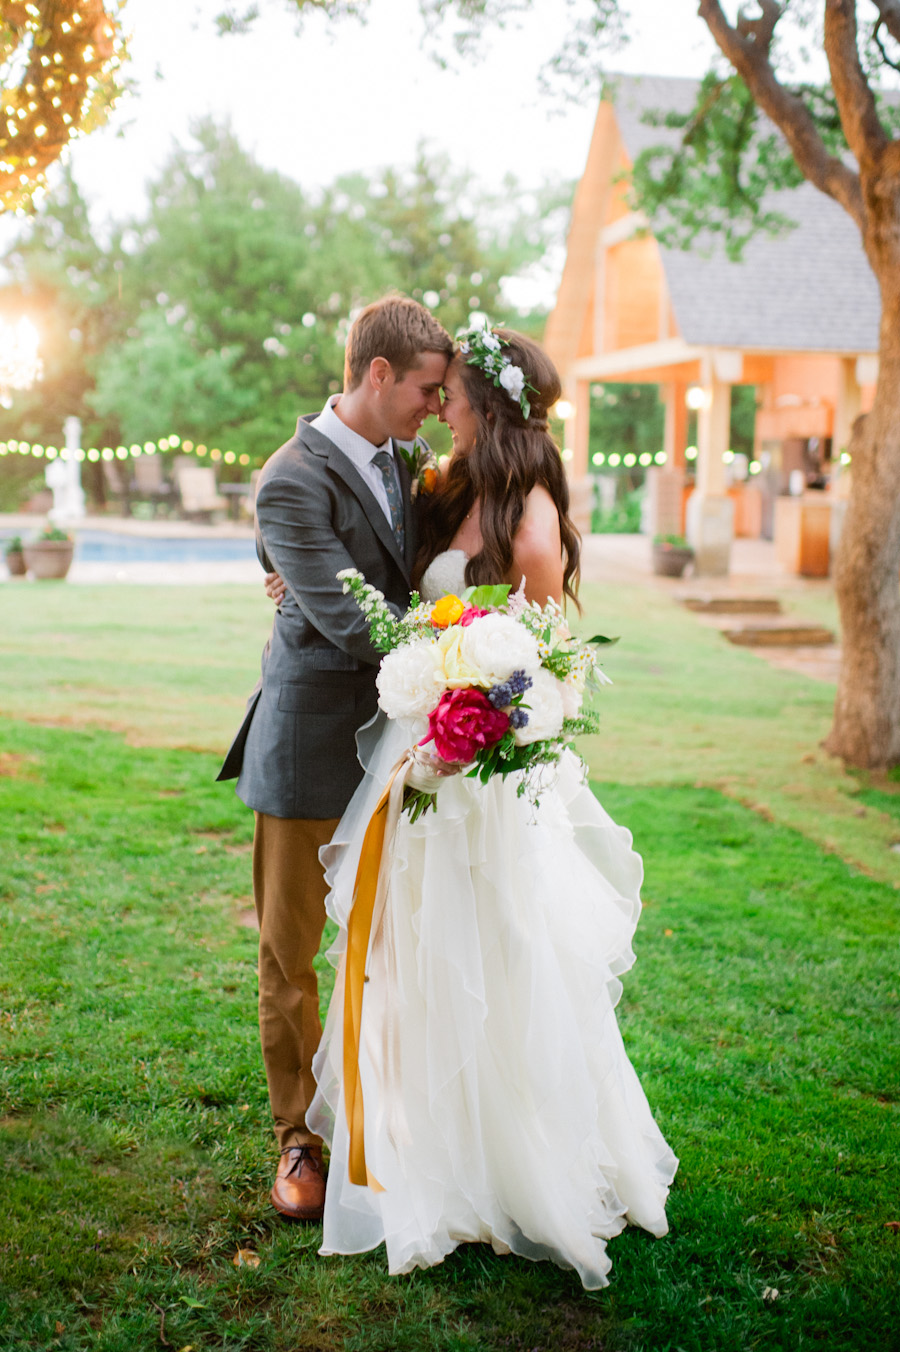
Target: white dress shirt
(357,450)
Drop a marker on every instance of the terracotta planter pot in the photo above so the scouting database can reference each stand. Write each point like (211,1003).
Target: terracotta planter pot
(671,560)
(15,562)
(49,558)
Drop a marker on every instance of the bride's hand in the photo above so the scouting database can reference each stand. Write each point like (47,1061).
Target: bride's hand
(275,588)
(428,771)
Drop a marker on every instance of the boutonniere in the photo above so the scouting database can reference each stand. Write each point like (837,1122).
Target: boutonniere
(421,462)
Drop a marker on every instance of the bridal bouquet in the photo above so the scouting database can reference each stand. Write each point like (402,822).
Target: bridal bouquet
(500,680)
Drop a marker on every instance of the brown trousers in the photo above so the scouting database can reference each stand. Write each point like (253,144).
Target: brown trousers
(289,891)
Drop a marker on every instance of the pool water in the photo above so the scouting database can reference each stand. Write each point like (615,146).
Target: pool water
(95,546)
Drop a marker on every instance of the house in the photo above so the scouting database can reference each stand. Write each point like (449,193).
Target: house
(797,319)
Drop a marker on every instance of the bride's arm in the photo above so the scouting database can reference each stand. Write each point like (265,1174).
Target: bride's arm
(537,549)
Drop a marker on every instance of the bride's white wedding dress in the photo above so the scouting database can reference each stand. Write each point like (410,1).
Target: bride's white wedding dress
(500,1105)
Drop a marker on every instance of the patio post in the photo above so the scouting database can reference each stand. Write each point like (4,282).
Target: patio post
(710,512)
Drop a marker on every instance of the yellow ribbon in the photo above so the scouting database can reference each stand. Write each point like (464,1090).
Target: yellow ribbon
(369,894)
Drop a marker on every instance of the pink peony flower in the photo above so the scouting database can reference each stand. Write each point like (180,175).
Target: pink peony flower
(463,722)
(471,613)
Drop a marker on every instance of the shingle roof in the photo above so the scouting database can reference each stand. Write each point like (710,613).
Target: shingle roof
(809,289)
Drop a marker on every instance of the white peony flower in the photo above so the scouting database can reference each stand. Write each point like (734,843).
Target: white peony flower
(571,692)
(512,378)
(498,645)
(490,341)
(409,683)
(544,703)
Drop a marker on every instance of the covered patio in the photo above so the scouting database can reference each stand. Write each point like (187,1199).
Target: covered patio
(797,319)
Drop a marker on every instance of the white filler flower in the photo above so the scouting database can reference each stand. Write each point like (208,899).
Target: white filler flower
(498,645)
(408,681)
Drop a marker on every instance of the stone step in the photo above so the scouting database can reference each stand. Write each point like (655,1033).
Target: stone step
(780,636)
(733,605)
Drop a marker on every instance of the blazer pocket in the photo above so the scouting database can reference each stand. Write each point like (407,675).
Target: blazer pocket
(329,659)
(328,696)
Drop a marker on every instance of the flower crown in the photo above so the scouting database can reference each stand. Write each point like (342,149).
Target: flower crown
(483,348)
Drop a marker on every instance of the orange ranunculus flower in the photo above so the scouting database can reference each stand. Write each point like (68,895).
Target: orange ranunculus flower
(447,611)
(429,479)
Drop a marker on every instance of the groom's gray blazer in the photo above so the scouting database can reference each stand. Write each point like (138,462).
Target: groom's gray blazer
(295,753)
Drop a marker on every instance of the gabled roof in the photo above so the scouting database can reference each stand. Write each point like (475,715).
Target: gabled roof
(809,289)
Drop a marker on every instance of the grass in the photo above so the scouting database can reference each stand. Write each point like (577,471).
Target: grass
(134,1135)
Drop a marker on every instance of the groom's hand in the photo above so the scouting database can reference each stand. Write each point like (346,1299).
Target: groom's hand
(275,588)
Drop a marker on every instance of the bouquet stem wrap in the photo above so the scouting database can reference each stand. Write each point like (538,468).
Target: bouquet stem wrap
(424,772)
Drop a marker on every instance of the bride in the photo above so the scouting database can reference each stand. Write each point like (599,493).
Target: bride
(500,1104)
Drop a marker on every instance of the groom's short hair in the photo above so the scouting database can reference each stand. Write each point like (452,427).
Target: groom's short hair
(396,328)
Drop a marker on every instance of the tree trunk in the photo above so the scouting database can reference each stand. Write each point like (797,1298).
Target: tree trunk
(866,729)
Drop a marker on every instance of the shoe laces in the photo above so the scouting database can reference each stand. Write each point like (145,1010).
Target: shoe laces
(305,1154)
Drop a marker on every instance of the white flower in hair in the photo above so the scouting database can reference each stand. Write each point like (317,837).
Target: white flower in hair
(512,378)
(483,348)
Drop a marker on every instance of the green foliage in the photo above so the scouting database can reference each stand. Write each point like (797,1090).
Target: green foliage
(673,541)
(710,183)
(134,1128)
(624,518)
(157,378)
(13,546)
(222,314)
(69,283)
(626,418)
(743,419)
(54,533)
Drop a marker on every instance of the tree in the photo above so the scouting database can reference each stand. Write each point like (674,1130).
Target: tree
(220,314)
(840,136)
(69,284)
(59,64)
(245,284)
(822,129)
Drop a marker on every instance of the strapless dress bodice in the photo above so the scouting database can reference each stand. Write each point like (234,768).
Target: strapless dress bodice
(445,573)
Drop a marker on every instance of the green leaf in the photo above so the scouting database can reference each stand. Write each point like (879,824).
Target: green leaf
(601,638)
(487,596)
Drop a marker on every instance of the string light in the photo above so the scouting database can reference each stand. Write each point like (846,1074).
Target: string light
(93,453)
(40,115)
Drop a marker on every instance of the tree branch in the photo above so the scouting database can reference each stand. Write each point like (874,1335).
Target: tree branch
(865,135)
(762,29)
(890,16)
(750,58)
(876,38)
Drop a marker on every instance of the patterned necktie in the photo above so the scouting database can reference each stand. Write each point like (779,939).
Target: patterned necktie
(385,462)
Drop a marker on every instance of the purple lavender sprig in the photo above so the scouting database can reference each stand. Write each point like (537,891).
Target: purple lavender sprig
(503,694)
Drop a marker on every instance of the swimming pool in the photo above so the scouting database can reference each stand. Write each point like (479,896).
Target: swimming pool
(96,546)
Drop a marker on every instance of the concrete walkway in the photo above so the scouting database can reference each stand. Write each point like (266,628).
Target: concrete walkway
(605,558)
(164,572)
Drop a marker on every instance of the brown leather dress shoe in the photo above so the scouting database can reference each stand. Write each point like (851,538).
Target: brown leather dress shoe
(299,1191)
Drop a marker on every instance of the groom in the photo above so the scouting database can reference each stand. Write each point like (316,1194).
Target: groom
(335,496)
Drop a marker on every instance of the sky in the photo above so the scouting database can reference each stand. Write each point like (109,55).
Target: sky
(338,97)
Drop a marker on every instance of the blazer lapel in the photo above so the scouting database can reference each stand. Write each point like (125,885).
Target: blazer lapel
(347,472)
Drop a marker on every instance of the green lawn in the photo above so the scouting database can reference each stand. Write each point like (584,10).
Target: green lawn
(762,1014)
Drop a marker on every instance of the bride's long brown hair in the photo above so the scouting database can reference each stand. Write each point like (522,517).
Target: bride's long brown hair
(511,455)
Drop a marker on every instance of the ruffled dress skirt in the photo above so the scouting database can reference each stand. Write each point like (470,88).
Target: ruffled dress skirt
(500,1104)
